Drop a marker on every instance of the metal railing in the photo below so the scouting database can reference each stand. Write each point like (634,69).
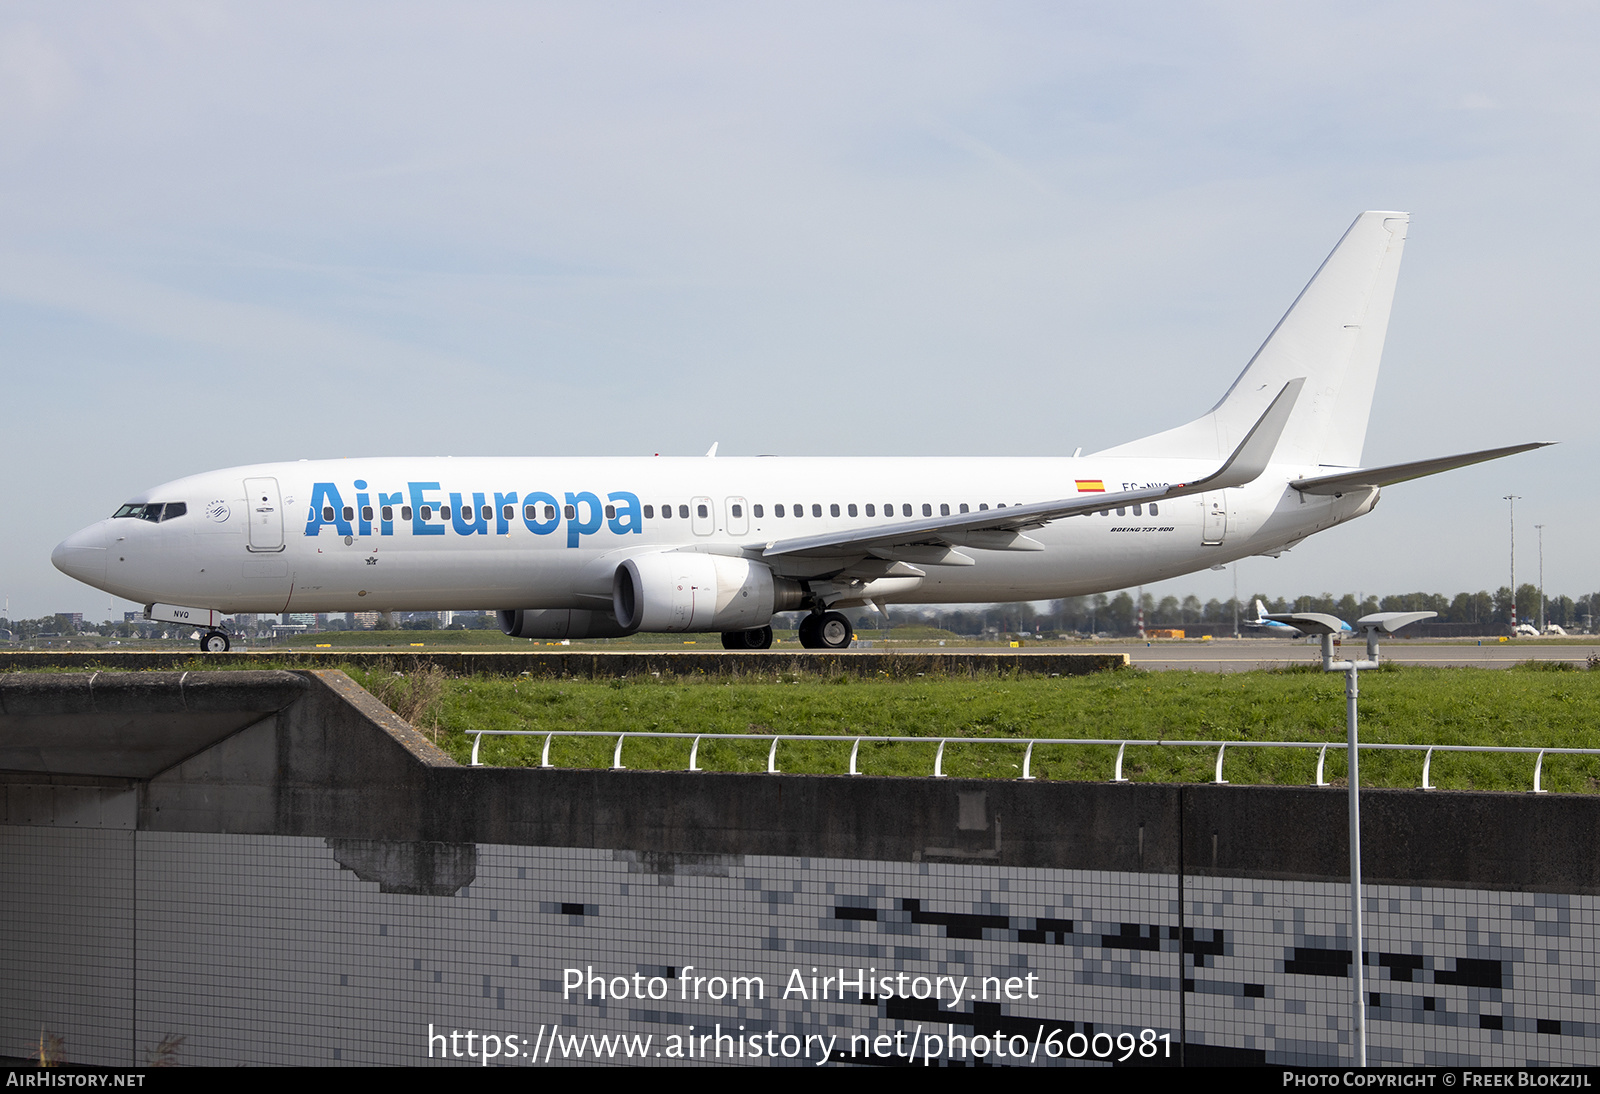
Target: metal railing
(1117,776)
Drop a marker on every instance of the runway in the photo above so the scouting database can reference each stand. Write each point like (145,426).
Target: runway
(1245,654)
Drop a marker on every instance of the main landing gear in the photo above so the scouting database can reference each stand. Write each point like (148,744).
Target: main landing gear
(214,642)
(758,639)
(826,631)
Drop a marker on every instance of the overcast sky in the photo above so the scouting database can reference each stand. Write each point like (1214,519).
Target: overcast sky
(239,233)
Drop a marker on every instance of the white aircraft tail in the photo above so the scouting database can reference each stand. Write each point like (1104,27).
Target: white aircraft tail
(1333,337)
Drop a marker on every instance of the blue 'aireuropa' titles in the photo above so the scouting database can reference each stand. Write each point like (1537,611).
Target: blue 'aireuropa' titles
(538,511)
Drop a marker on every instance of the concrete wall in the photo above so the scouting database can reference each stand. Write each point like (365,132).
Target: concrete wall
(312,881)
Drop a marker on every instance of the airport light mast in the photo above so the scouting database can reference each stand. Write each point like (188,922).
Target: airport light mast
(1540,527)
(1371,626)
(1513,498)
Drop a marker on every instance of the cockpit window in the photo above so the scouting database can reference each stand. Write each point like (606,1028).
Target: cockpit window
(154,512)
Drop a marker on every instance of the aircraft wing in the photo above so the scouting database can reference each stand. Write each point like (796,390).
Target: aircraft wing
(932,539)
(1341,481)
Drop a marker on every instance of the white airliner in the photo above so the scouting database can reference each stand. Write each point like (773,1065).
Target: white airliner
(574,548)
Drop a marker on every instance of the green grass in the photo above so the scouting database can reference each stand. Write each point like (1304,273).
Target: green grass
(1528,705)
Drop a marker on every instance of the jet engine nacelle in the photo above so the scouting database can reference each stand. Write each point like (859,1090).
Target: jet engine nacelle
(692,591)
(561,623)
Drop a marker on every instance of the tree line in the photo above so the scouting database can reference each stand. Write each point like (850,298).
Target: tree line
(1117,614)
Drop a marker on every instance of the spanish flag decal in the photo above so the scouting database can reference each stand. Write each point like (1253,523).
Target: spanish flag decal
(1091,486)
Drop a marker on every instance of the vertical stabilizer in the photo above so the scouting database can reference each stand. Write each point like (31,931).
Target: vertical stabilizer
(1333,336)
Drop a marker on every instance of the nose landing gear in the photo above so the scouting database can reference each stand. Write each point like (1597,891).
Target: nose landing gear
(214,642)
(826,631)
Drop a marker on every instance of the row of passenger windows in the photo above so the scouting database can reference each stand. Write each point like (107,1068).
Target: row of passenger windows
(507,512)
(758,511)
(570,512)
(906,510)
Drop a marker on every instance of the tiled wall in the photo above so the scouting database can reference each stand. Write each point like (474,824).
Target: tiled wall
(259,949)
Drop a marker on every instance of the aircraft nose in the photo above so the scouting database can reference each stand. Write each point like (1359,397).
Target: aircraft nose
(82,555)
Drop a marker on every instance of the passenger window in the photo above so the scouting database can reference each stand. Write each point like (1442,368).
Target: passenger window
(777,510)
(327,514)
(1154,512)
(549,512)
(758,511)
(799,510)
(852,509)
(1138,510)
(388,512)
(444,512)
(486,512)
(983,506)
(405,512)
(683,512)
(816,510)
(700,511)
(649,512)
(426,512)
(611,512)
(666,512)
(366,512)
(1121,512)
(963,507)
(738,510)
(905,509)
(872,510)
(507,512)
(531,512)
(833,510)
(570,512)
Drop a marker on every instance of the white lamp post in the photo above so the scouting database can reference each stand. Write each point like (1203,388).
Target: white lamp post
(1371,626)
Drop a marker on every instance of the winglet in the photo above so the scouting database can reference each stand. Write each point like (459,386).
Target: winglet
(1254,453)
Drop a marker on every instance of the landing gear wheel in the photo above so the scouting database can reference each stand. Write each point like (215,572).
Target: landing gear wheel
(809,638)
(834,631)
(825,631)
(758,639)
(213,642)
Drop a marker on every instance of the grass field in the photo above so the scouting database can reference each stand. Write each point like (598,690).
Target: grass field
(1539,706)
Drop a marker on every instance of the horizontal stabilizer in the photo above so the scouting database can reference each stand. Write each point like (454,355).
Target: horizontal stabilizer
(1344,481)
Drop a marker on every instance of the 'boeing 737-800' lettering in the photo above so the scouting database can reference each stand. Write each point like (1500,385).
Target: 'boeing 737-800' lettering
(573,548)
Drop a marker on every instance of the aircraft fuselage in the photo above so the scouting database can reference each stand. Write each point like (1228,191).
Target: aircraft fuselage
(419,534)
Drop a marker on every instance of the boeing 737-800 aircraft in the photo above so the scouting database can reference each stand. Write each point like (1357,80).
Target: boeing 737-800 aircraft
(574,548)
